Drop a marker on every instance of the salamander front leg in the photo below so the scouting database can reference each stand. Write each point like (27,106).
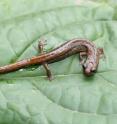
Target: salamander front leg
(45,65)
(82,57)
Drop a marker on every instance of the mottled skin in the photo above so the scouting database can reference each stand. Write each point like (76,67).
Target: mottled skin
(84,47)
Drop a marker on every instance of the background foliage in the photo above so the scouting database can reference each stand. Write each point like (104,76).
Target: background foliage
(26,96)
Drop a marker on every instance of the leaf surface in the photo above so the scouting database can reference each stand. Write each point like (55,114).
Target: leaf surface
(26,96)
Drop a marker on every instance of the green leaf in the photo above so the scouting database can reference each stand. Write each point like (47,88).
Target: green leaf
(26,96)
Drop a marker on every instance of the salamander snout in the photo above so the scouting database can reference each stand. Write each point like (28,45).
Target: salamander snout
(89,69)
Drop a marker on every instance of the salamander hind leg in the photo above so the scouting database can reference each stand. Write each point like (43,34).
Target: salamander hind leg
(45,65)
(48,71)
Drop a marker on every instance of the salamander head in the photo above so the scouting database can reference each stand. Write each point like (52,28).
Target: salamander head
(91,63)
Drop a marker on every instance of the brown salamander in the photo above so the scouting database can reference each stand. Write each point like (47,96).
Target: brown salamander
(74,46)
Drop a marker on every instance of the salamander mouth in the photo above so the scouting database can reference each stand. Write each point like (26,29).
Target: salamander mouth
(89,73)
